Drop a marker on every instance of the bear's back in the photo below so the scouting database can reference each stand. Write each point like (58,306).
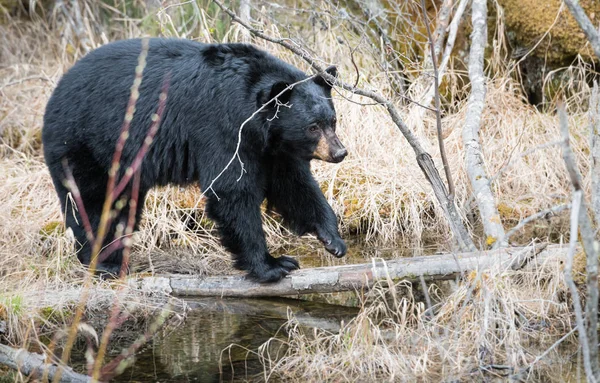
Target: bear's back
(213,88)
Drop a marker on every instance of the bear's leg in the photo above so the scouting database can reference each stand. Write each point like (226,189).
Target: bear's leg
(239,221)
(111,254)
(93,203)
(295,194)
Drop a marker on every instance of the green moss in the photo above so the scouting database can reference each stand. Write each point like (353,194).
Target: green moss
(51,314)
(529,20)
(52,228)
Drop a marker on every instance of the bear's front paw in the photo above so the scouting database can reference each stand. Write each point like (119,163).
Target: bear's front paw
(109,271)
(274,269)
(334,244)
(337,247)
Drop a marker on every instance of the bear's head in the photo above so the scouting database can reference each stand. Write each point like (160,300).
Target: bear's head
(301,121)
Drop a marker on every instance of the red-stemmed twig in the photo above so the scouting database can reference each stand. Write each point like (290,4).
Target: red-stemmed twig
(137,161)
(72,186)
(122,361)
(107,207)
(115,316)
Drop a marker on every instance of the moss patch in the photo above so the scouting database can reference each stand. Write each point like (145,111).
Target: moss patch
(529,20)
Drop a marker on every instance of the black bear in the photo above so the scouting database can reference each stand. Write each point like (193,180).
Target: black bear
(212,90)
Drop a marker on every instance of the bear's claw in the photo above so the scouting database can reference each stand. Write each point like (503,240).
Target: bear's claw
(274,270)
(337,247)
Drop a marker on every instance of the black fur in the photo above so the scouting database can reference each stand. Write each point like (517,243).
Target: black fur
(213,89)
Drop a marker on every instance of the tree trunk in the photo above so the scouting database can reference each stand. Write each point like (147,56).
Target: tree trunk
(475,166)
(347,277)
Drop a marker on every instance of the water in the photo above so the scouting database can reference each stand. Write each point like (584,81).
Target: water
(200,349)
(194,351)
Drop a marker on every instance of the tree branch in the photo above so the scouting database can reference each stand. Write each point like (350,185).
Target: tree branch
(584,22)
(453,32)
(438,106)
(589,246)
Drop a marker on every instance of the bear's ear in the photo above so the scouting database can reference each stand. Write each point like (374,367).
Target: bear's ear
(278,88)
(332,70)
(268,94)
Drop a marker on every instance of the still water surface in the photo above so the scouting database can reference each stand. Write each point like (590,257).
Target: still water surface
(193,352)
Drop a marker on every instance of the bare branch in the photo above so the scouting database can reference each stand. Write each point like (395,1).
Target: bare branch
(589,246)
(581,329)
(453,32)
(546,213)
(438,106)
(584,22)
(236,153)
(34,364)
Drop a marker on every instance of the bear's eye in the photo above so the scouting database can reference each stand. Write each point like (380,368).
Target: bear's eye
(313,128)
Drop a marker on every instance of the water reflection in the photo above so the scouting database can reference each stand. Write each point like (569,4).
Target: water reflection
(193,351)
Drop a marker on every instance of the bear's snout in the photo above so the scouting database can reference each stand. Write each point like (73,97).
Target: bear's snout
(330,148)
(339,155)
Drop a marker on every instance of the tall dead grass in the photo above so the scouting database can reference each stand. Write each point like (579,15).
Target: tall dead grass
(500,324)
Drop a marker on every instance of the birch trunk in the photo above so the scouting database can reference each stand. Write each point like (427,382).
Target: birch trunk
(348,277)
(475,165)
(245,16)
(587,238)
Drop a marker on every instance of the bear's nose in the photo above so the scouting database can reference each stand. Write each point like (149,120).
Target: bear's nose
(340,154)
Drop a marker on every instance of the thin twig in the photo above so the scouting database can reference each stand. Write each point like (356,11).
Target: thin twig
(438,106)
(583,339)
(587,239)
(546,213)
(454,24)
(236,153)
(113,322)
(137,162)
(72,186)
(543,355)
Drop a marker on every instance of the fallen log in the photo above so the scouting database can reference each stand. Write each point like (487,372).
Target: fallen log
(31,364)
(348,277)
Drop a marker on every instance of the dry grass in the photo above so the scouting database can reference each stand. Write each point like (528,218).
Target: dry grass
(378,192)
(494,325)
